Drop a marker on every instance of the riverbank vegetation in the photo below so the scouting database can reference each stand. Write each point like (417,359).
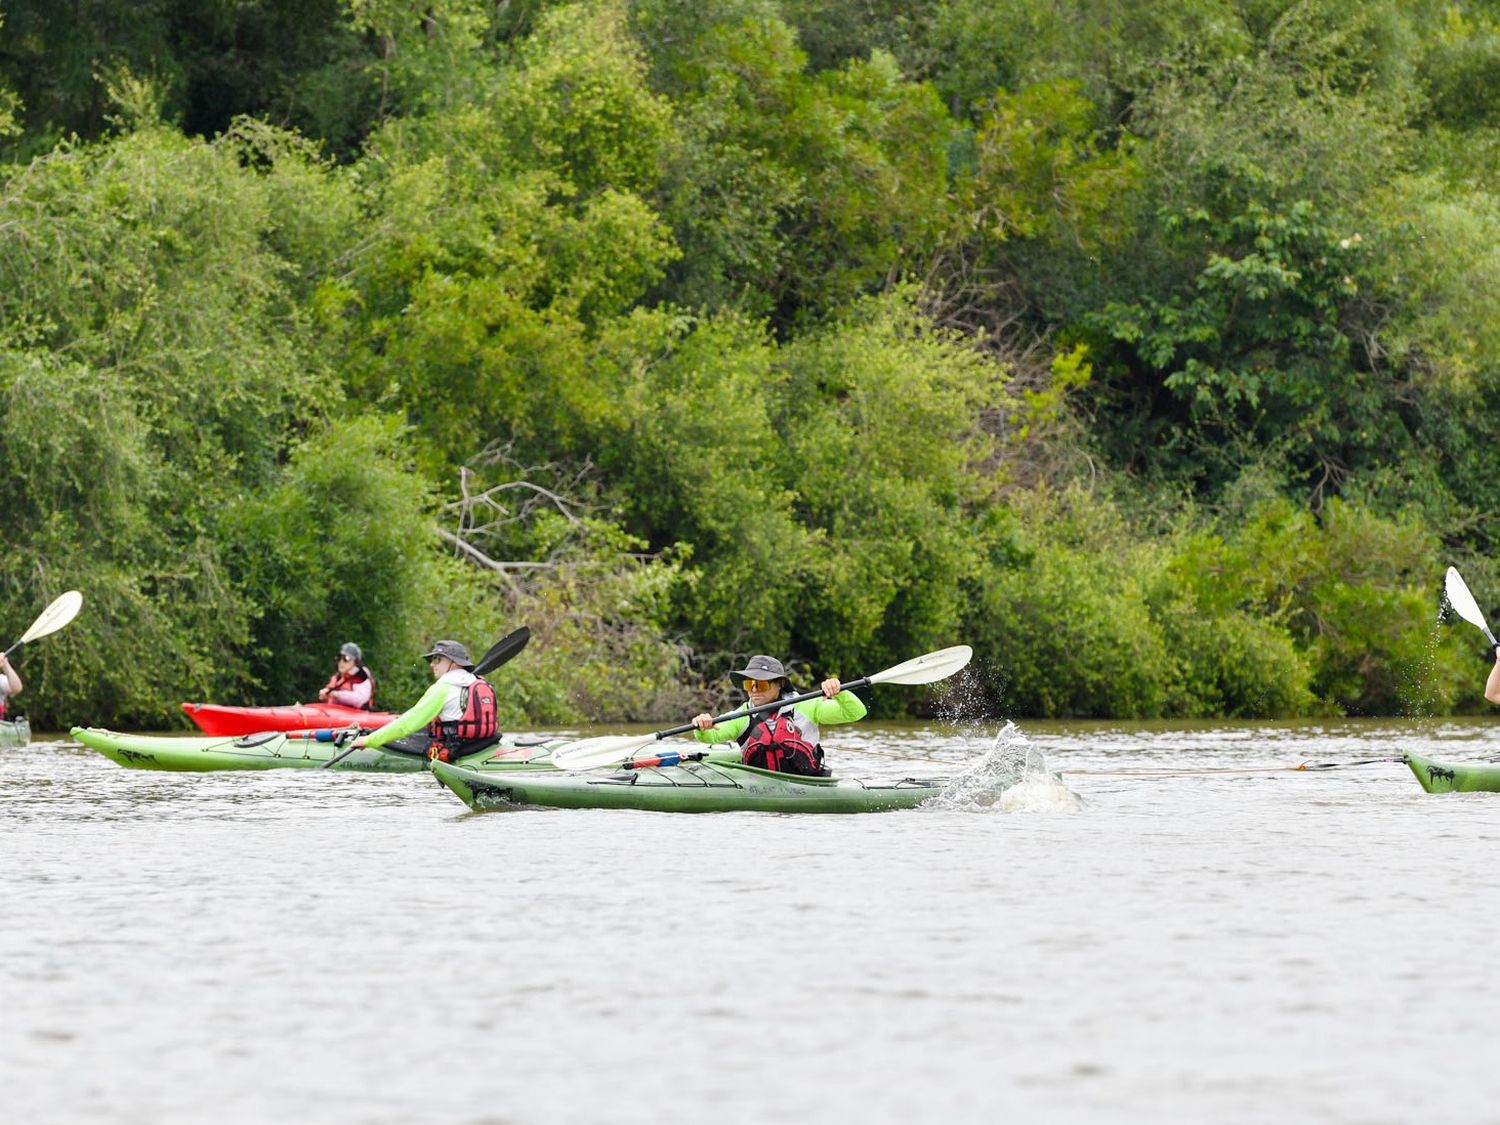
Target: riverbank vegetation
(1148,347)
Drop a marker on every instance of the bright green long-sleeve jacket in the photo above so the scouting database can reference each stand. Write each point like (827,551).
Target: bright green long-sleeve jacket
(845,707)
(418,715)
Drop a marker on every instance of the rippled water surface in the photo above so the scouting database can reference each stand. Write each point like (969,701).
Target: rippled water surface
(1180,928)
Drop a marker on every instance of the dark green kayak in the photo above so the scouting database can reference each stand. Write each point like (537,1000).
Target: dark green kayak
(706,786)
(1455,777)
(275,750)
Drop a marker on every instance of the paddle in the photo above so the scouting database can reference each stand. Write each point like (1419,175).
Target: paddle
(1464,605)
(501,651)
(63,609)
(613,749)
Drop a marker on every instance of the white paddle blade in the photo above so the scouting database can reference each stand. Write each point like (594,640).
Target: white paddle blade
(1462,601)
(55,616)
(607,750)
(927,668)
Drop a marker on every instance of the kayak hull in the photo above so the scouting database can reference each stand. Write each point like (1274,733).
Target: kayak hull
(14,732)
(276,750)
(219,719)
(697,787)
(1455,777)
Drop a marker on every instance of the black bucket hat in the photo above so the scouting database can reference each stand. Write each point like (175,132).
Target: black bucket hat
(453,651)
(762,667)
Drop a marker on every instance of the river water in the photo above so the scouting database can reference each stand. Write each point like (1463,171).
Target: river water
(1177,927)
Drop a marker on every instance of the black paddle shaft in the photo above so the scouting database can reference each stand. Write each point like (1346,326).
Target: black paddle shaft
(764,707)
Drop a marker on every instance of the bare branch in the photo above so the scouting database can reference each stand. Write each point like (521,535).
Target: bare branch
(488,563)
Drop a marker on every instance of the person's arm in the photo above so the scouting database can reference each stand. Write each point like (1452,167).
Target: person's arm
(845,707)
(357,694)
(410,721)
(12,677)
(1492,685)
(724,732)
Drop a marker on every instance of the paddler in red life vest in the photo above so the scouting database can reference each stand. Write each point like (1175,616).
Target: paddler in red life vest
(457,715)
(786,738)
(351,684)
(10,682)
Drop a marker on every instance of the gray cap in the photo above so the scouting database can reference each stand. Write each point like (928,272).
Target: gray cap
(452,650)
(762,668)
(351,650)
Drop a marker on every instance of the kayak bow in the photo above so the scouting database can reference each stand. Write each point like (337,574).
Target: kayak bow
(1455,777)
(220,719)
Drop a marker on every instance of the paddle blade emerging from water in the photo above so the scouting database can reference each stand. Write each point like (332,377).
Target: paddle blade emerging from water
(1461,600)
(928,668)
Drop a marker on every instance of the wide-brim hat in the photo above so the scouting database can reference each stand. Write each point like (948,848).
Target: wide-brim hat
(452,650)
(761,667)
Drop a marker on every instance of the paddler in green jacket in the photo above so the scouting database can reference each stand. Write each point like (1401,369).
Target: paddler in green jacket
(785,739)
(457,715)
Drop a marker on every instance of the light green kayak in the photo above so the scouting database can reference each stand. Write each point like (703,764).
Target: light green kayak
(275,750)
(14,732)
(1455,777)
(708,786)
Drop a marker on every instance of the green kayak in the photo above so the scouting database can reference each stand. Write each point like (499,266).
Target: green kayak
(707,786)
(1455,777)
(275,750)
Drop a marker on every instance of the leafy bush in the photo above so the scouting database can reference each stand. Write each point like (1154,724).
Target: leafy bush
(1285,616)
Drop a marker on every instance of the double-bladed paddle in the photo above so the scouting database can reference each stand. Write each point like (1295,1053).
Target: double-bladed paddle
(616,749)
(1464,605)
(63,609)
(501,651)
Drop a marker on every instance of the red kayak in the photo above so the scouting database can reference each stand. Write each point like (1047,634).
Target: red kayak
(213,718)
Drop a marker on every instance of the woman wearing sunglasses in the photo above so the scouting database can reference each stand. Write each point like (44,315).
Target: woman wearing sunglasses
(785,739)
(351,684)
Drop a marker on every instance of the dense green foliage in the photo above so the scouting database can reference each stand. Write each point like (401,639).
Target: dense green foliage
(1146,346)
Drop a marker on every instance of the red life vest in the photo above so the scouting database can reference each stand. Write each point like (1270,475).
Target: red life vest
(345,681)
(475,728)
(777,743)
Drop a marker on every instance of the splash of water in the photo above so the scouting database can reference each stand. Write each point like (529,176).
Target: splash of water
(964,699)
(1418,691)
(1013,776)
